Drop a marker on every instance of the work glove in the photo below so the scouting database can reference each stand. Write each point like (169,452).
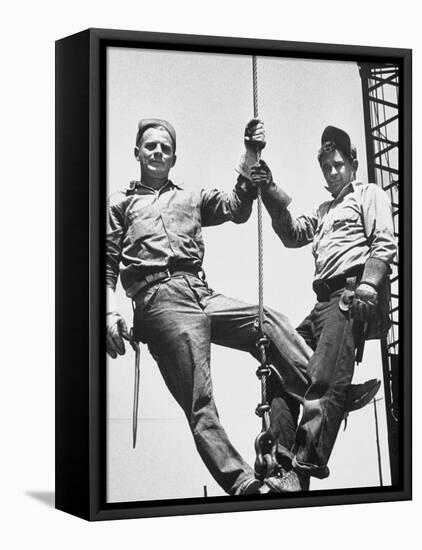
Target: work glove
(246,188)
(254,135)
(254,139)
(364,303)
(261,175)
(116,334)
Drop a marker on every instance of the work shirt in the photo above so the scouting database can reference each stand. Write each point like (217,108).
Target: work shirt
(345,232)
(157,229)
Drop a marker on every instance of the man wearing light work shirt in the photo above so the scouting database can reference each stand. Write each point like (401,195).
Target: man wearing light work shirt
(353,245)
(155,245)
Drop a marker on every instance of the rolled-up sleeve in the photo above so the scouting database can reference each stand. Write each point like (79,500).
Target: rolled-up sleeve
(114,236)
(218,206)
(378,224)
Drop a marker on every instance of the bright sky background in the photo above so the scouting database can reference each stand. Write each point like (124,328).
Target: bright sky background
(208,99)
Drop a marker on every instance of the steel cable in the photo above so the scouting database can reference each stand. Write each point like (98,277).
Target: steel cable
(259,203)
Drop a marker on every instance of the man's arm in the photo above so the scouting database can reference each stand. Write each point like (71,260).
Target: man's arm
(114,239)
(116,325)
(218,207)
(379,229)
(293,232)
(378,223)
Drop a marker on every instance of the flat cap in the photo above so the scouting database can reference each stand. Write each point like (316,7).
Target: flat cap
(146,123)
(339,137)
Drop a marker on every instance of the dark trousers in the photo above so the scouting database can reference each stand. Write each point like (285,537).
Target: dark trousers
(331,334)
(179,318)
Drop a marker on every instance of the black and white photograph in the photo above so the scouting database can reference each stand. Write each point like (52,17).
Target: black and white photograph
(211,275)
(251,273)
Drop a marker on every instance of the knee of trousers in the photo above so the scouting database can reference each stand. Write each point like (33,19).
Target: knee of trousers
(203,423)
(275,318)
(204,416)
(318,389)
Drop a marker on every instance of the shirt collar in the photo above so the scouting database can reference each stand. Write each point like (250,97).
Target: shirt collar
(135,184)
(349,188)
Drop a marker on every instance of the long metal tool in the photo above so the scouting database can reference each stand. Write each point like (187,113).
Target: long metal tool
(136,348)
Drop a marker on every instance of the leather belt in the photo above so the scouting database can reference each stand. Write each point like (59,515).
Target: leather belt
(324,289)
(155,276)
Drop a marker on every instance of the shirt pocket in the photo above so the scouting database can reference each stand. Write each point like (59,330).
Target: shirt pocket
(183,211)
(142,222)
(345,220)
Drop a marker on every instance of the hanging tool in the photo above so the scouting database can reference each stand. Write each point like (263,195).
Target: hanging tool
(137,350)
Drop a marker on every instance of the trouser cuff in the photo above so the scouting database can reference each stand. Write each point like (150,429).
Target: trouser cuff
(321,472)
(242,484)
(284,456)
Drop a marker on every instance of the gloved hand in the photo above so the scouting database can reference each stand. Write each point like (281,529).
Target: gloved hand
(116,332)
(364,303)
(255,135)
(246,188)
(261,175)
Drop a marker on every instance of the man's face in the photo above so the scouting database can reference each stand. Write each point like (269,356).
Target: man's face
(338,171)
(155,153)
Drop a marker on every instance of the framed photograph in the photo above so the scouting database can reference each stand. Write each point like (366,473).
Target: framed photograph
(233,310)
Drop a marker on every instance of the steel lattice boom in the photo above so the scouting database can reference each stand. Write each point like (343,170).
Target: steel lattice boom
(380,87)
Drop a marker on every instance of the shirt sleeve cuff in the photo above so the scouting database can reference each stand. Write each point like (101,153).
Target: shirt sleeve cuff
(274,195)
(247,160)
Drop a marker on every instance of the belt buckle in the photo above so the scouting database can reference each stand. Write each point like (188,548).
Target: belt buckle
(326,287)
(323,290)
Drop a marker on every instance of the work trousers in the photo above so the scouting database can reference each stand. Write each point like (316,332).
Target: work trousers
(179,318)
(331,333)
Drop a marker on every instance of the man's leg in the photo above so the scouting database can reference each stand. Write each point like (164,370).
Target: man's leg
(331,371)
(233,324)
(173,323)
(284,413)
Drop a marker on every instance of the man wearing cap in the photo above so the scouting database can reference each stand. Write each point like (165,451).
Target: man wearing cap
(155,244)
(353,245)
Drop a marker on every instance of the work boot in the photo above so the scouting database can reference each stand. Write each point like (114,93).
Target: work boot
(289,482)
(360,395)
(249,486)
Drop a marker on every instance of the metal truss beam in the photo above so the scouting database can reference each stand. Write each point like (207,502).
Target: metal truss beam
(380,89)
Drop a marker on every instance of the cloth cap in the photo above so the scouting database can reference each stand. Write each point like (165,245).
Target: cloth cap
(339,137)
(146,123)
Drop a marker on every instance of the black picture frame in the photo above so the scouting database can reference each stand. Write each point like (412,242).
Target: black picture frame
(80,255)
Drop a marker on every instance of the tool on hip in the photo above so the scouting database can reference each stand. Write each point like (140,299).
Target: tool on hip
(361,327)
(265,445)
(361,332)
